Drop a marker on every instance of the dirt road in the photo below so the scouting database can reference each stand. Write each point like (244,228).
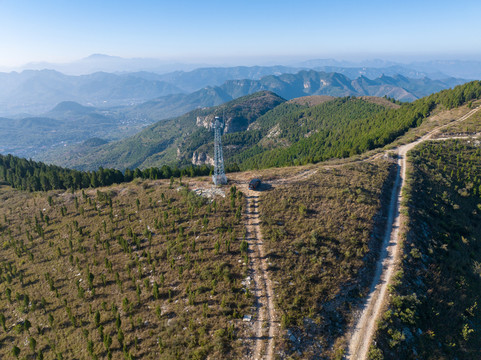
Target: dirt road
(363,332)
(265,323)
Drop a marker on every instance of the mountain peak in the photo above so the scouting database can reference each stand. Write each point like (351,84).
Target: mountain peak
(71,106)
(97,57)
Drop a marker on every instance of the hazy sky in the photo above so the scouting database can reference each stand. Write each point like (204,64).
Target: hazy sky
(66,30)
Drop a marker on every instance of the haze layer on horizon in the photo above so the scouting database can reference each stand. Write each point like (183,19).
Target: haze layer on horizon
(223,32)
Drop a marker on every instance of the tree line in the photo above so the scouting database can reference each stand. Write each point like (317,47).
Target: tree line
(31,175)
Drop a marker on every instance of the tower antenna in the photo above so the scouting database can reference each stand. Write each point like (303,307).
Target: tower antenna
(219,177)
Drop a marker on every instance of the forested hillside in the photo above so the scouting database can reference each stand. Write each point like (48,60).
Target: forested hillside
(338,128)
(164,143)
(434,312)
(342,128)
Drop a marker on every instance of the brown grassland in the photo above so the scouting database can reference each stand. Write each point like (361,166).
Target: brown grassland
(321,236)
(470,126)
(141,270)
(151,270)
(440,116)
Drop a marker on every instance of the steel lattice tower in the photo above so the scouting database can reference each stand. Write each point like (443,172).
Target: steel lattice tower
(219,177)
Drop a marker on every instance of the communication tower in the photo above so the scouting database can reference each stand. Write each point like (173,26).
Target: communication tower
(219,177)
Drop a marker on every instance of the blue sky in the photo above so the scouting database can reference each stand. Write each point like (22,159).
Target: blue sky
(66,30)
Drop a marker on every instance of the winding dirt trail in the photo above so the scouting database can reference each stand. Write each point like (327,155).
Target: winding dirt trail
(265,323)
(363,332)
(265,319)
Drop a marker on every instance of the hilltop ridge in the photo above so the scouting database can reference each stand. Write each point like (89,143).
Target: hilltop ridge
(282,133)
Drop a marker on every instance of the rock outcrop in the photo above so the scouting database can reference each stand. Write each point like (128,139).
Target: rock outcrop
(202,158)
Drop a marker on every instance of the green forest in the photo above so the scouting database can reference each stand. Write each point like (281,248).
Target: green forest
(30,175)
(310,132)
(340,128)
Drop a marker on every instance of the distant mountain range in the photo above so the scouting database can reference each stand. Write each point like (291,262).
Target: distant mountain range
(94,107)
(107,63)
(34,92)
(434,69)
(291,86)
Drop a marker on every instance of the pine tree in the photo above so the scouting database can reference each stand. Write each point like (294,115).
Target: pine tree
(2,322)
(15,351)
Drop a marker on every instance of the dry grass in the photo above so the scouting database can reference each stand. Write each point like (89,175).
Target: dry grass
(321,235)
(311,100)
(470,126)
(151,235)
(439,117)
